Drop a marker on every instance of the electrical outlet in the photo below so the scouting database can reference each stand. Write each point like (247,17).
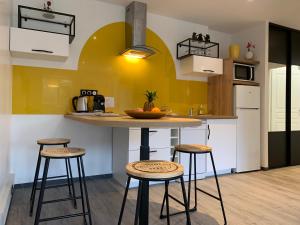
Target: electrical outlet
(109,102)
(88,92)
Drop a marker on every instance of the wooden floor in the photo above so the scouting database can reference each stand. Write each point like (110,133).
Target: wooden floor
(262,198)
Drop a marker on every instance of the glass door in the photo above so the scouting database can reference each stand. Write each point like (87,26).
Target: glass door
(284,73)
(278,70)
(295,98)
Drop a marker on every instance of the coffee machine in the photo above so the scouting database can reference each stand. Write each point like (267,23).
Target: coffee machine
(99,103)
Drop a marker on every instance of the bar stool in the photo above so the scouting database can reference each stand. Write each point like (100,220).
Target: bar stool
(154,170)
(52,142)
(195,149)
(64,153)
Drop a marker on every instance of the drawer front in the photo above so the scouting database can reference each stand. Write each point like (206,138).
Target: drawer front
(160,154)
(155,154)
(158,138)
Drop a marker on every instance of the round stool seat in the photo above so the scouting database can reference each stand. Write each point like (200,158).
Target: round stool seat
(154,169)
(54,141)
(62,152)
(193,148)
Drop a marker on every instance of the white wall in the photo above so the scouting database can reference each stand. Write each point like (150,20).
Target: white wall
(92,15)
(5,109)
(27,129)
(224,39)
(258,34)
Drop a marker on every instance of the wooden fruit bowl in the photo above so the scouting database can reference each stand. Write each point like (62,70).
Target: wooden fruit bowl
(144,115)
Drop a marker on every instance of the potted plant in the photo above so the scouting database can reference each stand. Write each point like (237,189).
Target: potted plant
(249,53)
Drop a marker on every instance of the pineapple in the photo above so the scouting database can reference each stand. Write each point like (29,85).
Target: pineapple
(149,104)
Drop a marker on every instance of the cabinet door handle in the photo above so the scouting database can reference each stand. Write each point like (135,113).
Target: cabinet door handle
(42,50)
(153,131)
(153,151)
(210,71)
(208,132)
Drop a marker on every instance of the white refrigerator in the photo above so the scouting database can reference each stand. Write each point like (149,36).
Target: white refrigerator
(247,109)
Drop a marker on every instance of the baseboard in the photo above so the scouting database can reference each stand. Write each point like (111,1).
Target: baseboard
(219,173)
(53,182)
(5,199)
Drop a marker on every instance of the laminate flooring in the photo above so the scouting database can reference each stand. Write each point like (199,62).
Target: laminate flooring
(257,198)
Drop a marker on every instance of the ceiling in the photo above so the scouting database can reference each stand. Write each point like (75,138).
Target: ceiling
(226,15)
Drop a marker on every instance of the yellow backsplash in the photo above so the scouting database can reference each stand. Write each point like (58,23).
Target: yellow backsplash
(49,91)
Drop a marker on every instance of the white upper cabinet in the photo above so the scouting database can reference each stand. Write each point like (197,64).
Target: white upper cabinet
(38,44)
(201,66)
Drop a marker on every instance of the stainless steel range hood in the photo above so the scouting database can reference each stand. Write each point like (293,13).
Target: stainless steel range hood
(135,31)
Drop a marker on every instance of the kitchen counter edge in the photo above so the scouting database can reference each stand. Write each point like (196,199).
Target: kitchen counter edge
(205,117)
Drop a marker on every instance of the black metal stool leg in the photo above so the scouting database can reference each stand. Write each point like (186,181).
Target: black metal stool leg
(167,201)
(72,183)
(138,204)
(174,154)
(124,201)
(218,187)
(36,176)
(81,191)
(164,199)
(68,175)
(86,192)
(189,189)
(188,219)
(41,197)
(195,180)
(190,181)
(162,206)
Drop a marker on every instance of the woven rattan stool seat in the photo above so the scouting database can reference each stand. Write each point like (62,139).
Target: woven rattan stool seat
(62,152)
(154,169)
(193,148)
(54,141)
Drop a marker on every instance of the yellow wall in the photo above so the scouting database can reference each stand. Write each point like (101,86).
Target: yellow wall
(49,91)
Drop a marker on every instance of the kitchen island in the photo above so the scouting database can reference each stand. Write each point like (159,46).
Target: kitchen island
(144,124)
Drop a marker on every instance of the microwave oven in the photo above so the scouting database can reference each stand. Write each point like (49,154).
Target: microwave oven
(243,72)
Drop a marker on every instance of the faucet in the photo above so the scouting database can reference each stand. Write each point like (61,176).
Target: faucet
(191,111)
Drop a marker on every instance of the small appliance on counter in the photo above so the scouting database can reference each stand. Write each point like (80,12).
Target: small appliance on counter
(99,103)
(89,101)
(80,104)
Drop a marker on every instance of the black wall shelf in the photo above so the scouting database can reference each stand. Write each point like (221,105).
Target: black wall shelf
(47,21)
(191,46)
